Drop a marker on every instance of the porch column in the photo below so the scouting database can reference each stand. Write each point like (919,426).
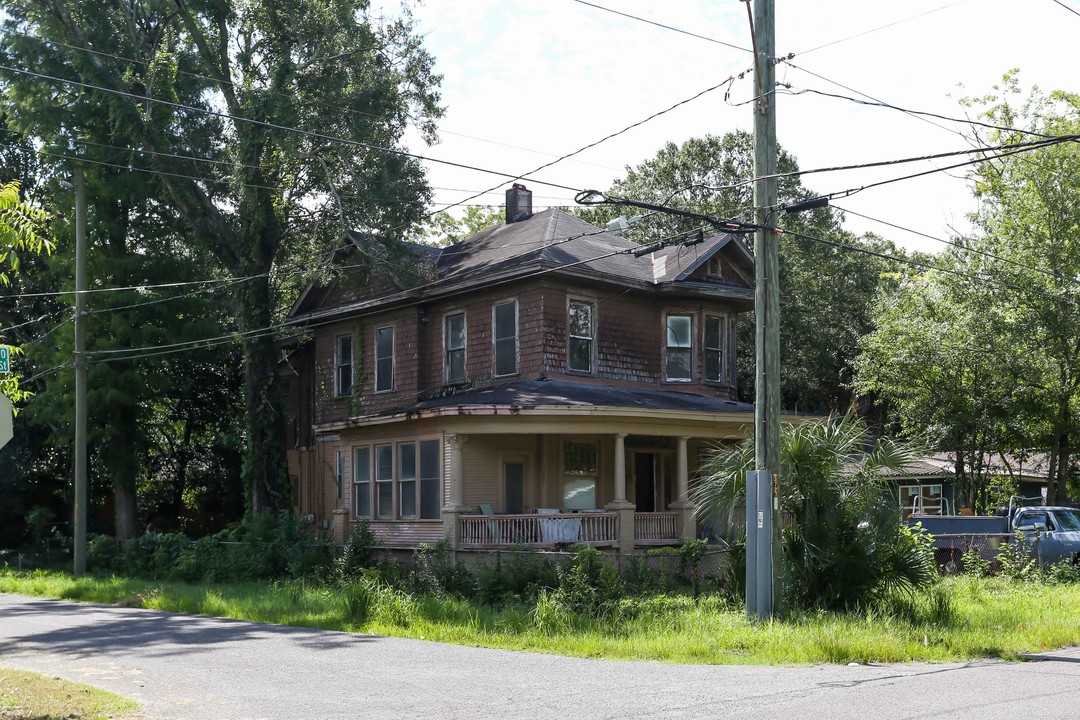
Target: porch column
(455,503)
(620,505)
(687,519)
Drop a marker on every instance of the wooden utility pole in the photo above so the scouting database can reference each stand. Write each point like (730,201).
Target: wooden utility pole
(81,493)
(767,292)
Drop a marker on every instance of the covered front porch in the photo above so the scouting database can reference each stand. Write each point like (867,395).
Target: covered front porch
(620,490)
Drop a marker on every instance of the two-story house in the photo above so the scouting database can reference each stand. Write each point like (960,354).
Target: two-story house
(541,384)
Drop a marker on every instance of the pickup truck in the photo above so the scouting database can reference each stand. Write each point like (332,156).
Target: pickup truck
(1053,533)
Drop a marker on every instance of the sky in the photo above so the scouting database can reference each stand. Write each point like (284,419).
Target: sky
(526,81)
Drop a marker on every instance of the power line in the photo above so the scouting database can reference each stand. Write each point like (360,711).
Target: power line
(872,103)
(954,244)
(662,25)
(332,106)
(883,27)
(912,262)
(626,129)
(1073,10)
(787,61)
(276,126)
(1019,149)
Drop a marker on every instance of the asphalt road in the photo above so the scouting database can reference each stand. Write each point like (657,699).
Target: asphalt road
(182,666)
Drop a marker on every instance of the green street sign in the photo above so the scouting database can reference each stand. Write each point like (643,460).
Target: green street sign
(5,360)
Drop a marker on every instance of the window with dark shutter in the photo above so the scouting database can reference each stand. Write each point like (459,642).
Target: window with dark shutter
(384,358)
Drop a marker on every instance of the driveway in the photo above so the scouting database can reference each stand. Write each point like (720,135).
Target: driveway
(182,666)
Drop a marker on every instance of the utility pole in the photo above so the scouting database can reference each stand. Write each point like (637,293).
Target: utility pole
(767,302)
(81,492)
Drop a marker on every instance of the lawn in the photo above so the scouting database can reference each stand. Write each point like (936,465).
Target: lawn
(962,618)
(29,696)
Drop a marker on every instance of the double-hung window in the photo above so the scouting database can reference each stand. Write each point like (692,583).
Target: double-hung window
(362,481)
(505,321)
(339,473)
(407,480)
(715,345)
(580,345)
(384,358)
(454,344)
(680,346)
(343,375)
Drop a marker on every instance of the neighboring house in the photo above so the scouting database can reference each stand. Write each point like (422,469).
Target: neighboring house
(540,385)
(928,485)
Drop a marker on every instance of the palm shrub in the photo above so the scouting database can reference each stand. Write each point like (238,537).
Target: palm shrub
(844,542)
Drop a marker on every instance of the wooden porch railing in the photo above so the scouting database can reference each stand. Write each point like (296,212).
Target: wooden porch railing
(655,528)
(597,529)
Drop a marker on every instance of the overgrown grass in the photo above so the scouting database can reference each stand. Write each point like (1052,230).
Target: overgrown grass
(963,618)
(38,697)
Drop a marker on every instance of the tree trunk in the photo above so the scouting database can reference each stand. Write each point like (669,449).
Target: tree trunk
(124,509)
(1061,495)
(1051,477)
(264,462)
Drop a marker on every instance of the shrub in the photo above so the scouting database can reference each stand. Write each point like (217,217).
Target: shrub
(435,571)
(590,586)
(974,563)
(101,554)
(520,577)
(1015,558)
(360,551)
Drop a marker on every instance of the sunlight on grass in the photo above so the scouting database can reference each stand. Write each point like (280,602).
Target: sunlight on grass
(991,617)
(30,695)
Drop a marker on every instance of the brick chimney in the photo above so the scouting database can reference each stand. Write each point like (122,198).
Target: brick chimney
(518,204)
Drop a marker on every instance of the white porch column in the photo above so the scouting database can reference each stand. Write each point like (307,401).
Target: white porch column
(455,503)
(688,521)
(620,468)
(620,505)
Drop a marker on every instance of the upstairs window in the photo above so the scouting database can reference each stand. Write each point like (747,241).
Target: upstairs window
(715,344)
(680,345)
(384,358)
(505,337)
(580,345)
(343,374)
(454,343)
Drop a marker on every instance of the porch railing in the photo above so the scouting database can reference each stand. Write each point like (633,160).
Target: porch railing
(597,529)
(655,527)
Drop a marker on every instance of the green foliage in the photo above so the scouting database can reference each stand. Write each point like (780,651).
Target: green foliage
(263,546)
(436,571)
(1015,558)
(829,290)
(845,545)
(590,586)
(360,553)
(517,578)
(1064,572)
(975,564)
(991,365)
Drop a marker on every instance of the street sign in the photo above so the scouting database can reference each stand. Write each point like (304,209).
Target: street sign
(5,359)
(6,427)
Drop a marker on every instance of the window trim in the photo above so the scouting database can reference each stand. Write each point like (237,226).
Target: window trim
(591,304)
(339,391)
(394,481)
(725,374)
(370,482)
(495,339)
(447,316)
(690,350)
(393,349)
(565,477)
(339,474)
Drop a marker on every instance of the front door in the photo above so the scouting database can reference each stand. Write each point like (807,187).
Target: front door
(514,486)
(645,481)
